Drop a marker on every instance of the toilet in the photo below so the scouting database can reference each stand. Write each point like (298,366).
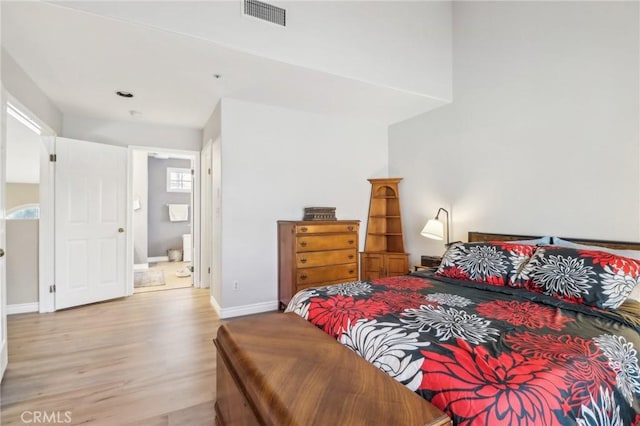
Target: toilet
(186,256)
(186,248)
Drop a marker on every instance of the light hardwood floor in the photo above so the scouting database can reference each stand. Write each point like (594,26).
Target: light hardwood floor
(145,360)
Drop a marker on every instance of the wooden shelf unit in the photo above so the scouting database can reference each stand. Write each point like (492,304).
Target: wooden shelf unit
(384,253)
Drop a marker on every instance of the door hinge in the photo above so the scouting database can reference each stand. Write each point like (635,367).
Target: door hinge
(53,158)
(208,270)
(208,171)
(193,172)
(52,288)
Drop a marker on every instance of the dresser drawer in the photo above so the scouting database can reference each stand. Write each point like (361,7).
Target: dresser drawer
(324,258)
(326,242)
(326,228)
(315,253)
(327,273)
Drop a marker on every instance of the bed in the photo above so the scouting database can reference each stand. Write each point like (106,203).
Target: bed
(501,348)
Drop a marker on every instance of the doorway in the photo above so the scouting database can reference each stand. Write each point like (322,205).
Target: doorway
(163,191)
(22,204)
(29,143)
(29,133)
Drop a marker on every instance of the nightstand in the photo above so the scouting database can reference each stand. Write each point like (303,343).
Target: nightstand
(417,268)
(430,261)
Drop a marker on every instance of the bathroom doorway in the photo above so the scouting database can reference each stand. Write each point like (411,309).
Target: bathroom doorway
(163,197)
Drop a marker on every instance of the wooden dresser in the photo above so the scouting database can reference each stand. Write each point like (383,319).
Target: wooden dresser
(315,253)
(278,369)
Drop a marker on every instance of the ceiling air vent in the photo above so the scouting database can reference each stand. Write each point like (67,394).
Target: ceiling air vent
(265,11)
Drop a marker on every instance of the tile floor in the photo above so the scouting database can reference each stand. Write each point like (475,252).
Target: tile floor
(171,280)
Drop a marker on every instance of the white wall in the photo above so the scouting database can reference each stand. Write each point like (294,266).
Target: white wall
(20,86)
(542,136)
(401,44)
(274,163)
(124,133)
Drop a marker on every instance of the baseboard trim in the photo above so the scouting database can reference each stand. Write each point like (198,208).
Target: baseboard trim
(140,266)
(214,303)
(23,308)
(238,311)
(158,259)
(4,360)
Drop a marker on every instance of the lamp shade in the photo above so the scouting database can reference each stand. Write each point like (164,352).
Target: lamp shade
(434,229)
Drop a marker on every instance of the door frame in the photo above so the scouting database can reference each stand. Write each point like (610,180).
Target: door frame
(46,247)
(195,208)
(46,229)
(4,338)
(207,203)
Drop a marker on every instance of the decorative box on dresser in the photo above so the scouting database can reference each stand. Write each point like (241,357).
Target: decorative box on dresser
(315,253)
(384,254)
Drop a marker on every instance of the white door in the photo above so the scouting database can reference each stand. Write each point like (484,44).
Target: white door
(4,355)
(207,222)
(90,215)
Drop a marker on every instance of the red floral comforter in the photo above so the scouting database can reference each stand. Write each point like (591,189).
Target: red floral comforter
(487,355)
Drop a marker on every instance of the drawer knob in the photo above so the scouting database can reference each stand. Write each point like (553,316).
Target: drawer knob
(303,243)
(303,276)
(350,241)
(350,227)
(304,229)
(303,260)
(351,256)
(351,271)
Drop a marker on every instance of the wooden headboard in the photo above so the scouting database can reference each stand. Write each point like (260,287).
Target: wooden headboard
(485,236)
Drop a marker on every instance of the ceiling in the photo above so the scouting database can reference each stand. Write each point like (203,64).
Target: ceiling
(80,60)
(23,153)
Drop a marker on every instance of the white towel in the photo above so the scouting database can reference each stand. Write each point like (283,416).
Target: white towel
(178,212)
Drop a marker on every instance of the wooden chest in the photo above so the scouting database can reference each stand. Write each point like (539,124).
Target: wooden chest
(278,369)
(313,253)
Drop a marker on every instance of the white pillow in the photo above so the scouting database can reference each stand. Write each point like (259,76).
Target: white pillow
(635,294)
(537,241)
(633,254)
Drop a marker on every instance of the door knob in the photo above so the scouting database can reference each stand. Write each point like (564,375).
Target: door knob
(1,253)
(121,230)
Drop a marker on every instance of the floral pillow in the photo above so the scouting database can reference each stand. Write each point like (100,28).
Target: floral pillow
(588,277)
(496,263)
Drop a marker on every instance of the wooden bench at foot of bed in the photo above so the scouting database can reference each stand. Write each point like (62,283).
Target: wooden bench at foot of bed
(278,369)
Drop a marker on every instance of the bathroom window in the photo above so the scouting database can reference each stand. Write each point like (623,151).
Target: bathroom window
(25,211)
(178,180)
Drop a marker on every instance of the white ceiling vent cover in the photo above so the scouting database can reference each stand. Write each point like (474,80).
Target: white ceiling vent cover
(266,12)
